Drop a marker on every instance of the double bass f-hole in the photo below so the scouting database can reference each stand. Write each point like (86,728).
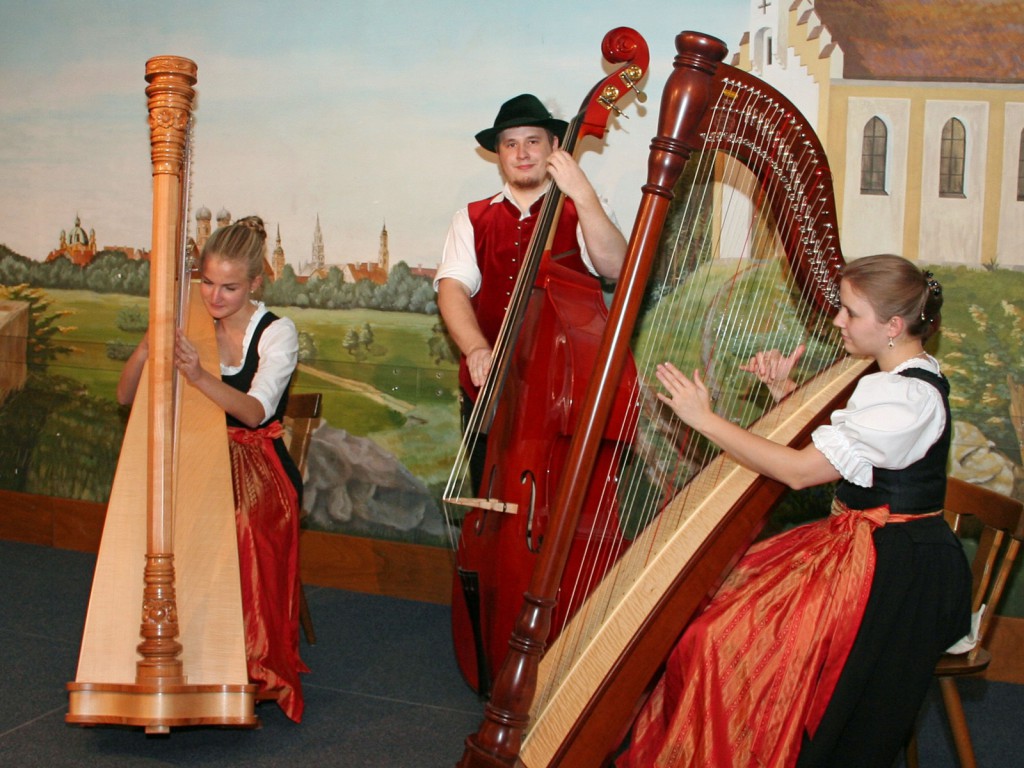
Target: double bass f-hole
(528,477)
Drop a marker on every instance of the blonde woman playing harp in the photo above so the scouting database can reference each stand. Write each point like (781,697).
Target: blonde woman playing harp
(258,352)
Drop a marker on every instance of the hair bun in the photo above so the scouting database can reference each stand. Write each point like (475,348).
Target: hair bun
(255,223)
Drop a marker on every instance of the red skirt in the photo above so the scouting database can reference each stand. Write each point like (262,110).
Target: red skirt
(757,668)
(267,518)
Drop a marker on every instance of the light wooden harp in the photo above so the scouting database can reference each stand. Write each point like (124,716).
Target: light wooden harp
(163,644)
(571,702)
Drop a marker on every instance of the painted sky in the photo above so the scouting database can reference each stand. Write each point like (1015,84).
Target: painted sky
(361,114)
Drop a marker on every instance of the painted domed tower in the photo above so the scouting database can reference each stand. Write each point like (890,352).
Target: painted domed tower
(203,226)
(75,245)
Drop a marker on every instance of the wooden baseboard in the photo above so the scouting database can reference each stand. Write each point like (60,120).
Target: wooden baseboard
(408,571)
(394,569)
(51,522)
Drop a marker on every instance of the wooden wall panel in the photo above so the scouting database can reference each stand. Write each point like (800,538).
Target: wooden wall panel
(394,569)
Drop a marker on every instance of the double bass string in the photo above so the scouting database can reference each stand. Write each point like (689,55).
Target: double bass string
(482,414)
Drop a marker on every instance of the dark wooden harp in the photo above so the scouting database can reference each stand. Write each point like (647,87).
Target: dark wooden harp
(571,704)
(169,550)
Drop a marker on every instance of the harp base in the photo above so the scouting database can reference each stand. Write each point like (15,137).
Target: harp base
(160,708)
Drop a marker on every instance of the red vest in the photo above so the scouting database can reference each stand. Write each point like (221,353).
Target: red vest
(502,241)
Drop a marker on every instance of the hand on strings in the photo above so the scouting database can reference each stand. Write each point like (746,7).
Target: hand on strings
(186,357)
(478,361)
(773,369)
(567,174)
(689,399)
(606,247)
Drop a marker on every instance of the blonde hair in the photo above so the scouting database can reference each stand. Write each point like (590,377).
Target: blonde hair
(243,241)
(895,287)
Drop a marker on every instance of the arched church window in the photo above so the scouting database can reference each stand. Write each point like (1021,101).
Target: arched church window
(1020,168)
(762,49)
(952,152)
(872,157)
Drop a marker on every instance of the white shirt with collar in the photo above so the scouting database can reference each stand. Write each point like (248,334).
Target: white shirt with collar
(458,259)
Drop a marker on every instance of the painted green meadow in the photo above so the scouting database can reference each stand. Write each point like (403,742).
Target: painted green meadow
(385,375)
(391,389)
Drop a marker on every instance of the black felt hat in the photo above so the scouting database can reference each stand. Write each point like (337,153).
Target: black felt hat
(524,109)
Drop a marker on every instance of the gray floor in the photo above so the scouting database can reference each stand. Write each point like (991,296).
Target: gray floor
(383,690)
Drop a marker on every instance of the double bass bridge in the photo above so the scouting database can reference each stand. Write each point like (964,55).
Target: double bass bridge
(491,505)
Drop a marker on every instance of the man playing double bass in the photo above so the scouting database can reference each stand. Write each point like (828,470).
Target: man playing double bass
(488,238)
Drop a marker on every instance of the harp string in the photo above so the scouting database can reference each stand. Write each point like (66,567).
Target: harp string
(726,291)
(635,494)
(185,265)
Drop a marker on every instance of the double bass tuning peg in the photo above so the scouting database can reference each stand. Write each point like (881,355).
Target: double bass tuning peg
(608,98)
(611,94)
(631,76)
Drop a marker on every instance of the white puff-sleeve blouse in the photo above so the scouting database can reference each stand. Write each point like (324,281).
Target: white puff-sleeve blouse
(279,353)
(889,422)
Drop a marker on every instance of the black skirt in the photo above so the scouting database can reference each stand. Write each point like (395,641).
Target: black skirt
(919,605)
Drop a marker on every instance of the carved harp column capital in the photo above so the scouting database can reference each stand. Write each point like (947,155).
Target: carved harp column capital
(170,95)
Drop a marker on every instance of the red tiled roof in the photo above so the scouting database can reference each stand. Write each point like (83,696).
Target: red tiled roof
(368,271)
(943,40)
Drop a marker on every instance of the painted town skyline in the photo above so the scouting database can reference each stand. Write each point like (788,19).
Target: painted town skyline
(307,111)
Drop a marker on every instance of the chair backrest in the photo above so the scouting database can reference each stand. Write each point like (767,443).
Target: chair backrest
(301,418)
(1001,520)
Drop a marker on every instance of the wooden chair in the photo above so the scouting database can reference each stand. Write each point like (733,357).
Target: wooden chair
(300,420)
(1001,522)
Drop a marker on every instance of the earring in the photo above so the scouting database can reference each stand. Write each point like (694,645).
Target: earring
(890,343)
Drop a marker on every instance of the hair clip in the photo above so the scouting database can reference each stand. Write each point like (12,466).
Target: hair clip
(933,285)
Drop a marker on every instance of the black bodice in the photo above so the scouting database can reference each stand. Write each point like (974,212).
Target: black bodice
(918,488)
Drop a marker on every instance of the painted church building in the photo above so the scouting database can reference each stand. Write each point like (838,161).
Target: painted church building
(920,108)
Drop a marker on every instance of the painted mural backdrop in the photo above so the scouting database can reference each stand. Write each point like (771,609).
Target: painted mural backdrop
(350,133)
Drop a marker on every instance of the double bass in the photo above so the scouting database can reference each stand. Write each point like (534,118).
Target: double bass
(163,643)
(726,294)
(545,350)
